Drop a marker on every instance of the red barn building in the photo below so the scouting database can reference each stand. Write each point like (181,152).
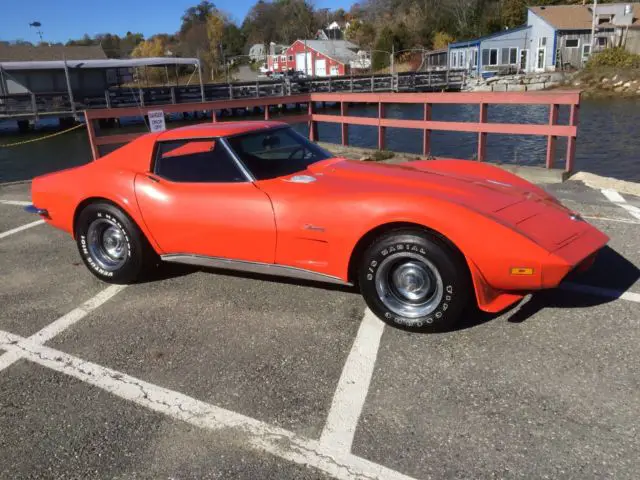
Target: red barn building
(323,57)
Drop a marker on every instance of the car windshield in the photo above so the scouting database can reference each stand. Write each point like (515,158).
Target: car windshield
(276,152)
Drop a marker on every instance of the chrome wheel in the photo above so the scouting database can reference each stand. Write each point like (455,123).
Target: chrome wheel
(107,244)
(409,285)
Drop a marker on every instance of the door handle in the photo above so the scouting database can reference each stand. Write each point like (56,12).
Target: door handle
(154,178)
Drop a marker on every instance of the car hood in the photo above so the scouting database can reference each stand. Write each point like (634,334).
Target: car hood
(481,194)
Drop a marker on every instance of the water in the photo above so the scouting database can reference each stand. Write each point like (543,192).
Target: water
(608,139)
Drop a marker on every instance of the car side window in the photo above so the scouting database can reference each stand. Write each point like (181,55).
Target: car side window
(196,161)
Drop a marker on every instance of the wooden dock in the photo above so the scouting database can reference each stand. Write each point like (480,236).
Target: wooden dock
(32,106)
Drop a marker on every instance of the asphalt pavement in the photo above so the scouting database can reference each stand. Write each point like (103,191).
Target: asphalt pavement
(205,374)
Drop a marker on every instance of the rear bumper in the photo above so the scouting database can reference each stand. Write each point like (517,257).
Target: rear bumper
(36,211)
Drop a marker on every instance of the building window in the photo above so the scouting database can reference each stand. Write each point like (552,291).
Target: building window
(461,55)
(493,56)
(454,59)
(586,51)
(485,56)
(542,42)
(291,58)
(475,58)
(601,41)
(571,43)
(513,56)
(283,58)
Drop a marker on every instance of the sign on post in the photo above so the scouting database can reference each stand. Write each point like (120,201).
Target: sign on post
(156,121)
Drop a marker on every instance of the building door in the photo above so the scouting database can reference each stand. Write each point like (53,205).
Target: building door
(301,64)
(335,70)
(524,54)
(541,59)
(321,67)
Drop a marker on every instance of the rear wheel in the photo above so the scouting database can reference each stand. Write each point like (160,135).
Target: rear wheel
(414,280)
(111,245)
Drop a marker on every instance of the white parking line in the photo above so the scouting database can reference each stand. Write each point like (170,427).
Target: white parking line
(353,386)
(258,435)
(609,219)
(601,292)
(21,228)
(64,322)
(19,203)
(619,200)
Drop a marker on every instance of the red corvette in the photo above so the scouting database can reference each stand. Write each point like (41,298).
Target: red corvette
(421,239)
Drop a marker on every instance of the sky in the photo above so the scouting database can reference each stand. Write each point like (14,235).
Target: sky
(65,19)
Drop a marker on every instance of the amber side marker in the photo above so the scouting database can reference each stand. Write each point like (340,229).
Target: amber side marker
(522,271)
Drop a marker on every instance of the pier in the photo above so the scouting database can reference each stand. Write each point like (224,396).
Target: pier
(33,106)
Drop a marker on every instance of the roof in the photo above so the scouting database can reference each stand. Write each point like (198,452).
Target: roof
(342,51)
(107,63)
(29,53)
(476,41)
(220,129)
(579,17)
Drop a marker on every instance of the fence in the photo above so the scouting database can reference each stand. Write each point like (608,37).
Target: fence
(482,127)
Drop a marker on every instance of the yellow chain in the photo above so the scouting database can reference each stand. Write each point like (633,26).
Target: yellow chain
(7,145)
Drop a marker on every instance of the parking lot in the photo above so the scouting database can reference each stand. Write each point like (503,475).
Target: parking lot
(205,374)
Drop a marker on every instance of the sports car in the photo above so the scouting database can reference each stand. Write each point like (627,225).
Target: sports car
(422,240)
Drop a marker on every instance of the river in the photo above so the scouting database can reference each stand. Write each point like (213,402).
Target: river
(608,139)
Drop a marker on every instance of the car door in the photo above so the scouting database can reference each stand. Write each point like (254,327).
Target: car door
(197,200)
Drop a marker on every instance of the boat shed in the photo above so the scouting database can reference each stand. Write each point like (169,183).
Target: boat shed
(85,71)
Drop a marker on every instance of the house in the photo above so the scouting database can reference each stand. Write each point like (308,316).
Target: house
(504,51)
(319,58)
(554,38)
(333,31)
(257,52)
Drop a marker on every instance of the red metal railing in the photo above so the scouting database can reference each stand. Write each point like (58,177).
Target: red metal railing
(482,127)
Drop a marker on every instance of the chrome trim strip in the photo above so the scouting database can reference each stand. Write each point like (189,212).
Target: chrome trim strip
(235,157)
(252,267)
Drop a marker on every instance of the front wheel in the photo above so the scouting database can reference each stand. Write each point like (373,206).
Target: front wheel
(111,245)
(414,280)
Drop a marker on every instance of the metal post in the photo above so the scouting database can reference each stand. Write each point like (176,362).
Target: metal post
(200,77)
(230,91)
(344,127)
(34,105)
(381,129)
(426,135)
(313,126)
(305,58)
(92,136)
(69,90)
(107,98)
(482,136)
(257,89)
(551,139)
(372,83)
(571,141)
(173,95)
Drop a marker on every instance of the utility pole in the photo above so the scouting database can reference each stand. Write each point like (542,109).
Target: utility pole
(593,26)
(393,49)
(306,68)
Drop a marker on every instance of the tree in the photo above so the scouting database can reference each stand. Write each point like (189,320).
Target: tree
(233,40)
(196,15)
(215,32)
(361,33)
(442,40)
(384,43)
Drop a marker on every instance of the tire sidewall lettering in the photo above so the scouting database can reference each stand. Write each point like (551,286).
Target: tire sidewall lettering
(84,250)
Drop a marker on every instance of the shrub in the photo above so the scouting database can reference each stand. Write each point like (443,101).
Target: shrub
(616,57)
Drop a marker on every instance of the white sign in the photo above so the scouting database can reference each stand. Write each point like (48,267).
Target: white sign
(156,121)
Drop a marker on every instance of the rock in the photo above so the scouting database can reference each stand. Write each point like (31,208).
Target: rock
(556,77)
(535,86)
(615,77)
(499,88)
(605,80)
(617,84)
(619,89)
(516,88)
(482,88)
(577,83)
(492,80)
(627,85)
